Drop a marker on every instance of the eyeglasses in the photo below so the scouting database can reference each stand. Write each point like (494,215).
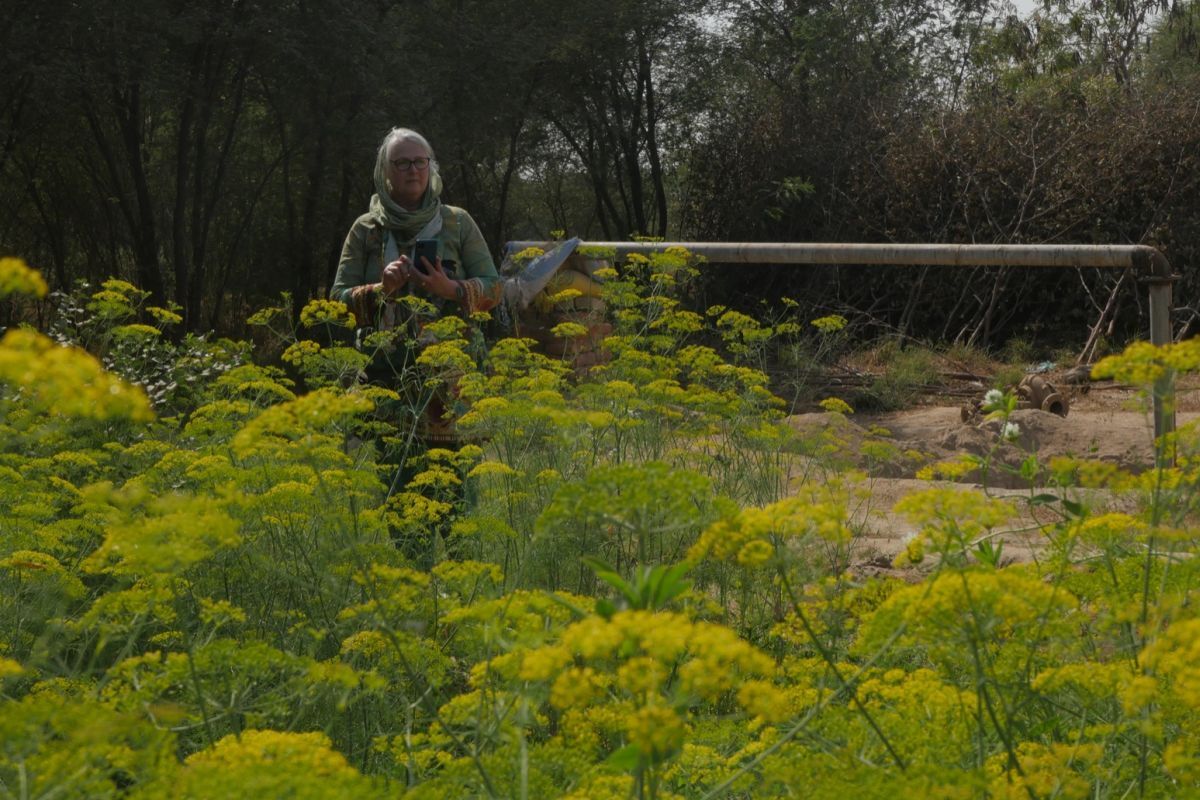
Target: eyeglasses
(405,164)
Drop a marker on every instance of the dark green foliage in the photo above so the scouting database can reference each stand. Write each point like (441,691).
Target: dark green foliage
(215,155)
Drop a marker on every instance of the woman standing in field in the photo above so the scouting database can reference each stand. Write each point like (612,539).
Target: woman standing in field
(387,290)
(377,268)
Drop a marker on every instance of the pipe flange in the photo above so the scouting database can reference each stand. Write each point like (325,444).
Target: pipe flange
(1056,403)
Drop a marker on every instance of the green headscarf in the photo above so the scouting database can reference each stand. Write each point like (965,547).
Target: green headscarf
(387,213)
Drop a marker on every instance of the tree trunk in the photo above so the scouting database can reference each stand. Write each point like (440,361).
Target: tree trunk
(139,218)
(183,153)
(656,170)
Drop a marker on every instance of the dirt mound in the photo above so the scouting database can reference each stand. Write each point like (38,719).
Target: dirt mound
(1122,438)
(1125,439)
(1101,426)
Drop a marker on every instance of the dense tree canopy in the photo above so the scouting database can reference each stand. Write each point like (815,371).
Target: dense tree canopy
(215,153)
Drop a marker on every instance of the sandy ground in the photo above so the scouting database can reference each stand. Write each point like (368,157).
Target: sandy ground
(1107,424)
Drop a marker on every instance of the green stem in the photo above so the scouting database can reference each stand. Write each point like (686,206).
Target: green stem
(799,727)
(827,657)
(208,732)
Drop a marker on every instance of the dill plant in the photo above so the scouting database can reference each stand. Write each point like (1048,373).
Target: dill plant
(213,602)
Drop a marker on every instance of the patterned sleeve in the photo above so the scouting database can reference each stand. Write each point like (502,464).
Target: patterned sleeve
(363,302)
(349,284)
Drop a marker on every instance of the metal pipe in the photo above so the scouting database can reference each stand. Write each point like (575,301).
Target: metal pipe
(1149,265)
(1140,257)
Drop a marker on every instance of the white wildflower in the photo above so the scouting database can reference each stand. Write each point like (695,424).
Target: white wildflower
(993,398)
(1010,432)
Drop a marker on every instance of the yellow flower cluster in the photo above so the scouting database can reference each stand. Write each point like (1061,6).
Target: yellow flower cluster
(1182,760)
(1109,530)
(528,254)
(310,753)
(656,731)
(638,677)
(299,352)
(545,302)
(301,418)
(755,553)
(1090,678)
(467,578)
(136,331)
(830,324)
(486,469)
(342,677)
(164,316)
(1008,610)
(328,312)
(766,701)
(42,572)
(265,316)
(447,360)
(10,668)
(949,518)
(220,612)
(125,289)
(899,697)
(394,591)
(16,277)
(435,477)
(714,659)
(117,299)
(1143,363)
(835,405)
(448,327)
(951,470)
(569,330)
(743,328)
(1088,474)
(413,511)
(750,537)
(577,687)
(60,742)
(1054,770)
(521,619)
(678,321)
(66,381)
(1175,658)
(177,533)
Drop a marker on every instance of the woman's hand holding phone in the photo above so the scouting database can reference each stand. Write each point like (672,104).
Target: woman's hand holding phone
(433,279)
(395,275)
(425,251)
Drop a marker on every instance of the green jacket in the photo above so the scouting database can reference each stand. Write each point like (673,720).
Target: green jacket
(357,283)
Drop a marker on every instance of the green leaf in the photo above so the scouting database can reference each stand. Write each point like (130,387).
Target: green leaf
(1074,508)
(989,552)
(669,583)
(1029,468)
(609,575)
(628,758)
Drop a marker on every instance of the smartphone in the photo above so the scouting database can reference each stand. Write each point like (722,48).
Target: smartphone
(424,248)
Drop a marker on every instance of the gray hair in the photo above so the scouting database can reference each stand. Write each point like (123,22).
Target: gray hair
(402,135)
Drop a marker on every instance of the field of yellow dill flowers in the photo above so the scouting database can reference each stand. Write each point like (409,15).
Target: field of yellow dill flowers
(222,577)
